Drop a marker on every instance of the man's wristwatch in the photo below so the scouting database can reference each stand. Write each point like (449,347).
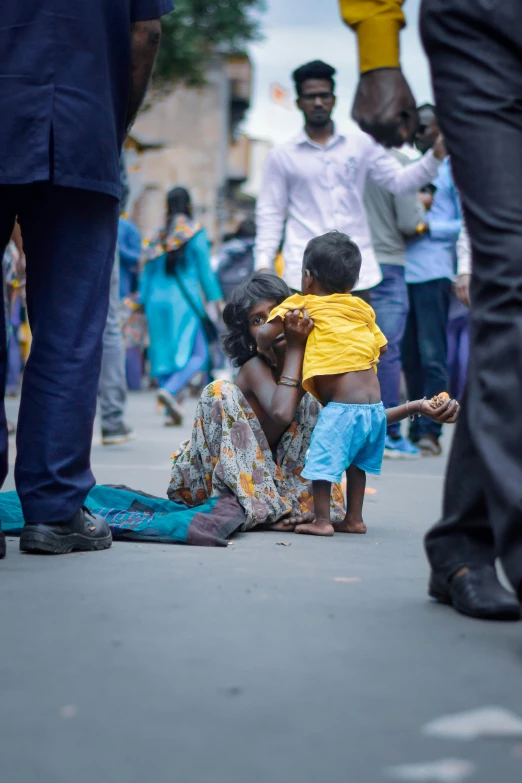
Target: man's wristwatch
(421,229)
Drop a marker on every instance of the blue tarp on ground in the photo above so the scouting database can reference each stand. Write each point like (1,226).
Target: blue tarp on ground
(136,516)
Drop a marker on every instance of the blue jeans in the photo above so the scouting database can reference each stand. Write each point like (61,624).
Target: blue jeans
(113,383)
(425,348)
(390,302)
(199,360)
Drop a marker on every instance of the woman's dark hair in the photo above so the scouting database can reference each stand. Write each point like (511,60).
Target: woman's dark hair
(334,260)
(314,70)
(178,203)
(237,343)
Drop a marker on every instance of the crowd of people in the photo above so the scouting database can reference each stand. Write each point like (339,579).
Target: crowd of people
(412,260)
(375,288)
(405,219)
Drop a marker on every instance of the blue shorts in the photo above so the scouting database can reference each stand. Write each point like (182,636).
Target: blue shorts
(346,435)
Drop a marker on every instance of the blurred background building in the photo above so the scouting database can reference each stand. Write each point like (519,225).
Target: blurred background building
(191,136)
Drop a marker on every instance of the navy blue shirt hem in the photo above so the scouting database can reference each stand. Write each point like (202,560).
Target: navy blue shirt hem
(101,186)
(108,188)
(150,9)
(41,175)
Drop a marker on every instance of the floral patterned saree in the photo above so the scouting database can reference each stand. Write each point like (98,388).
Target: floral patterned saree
(229,454)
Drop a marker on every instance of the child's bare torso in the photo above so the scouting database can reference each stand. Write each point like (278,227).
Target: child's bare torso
(350,388)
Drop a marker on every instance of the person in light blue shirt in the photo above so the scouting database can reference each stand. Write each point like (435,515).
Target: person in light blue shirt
(429,272)
(129,247)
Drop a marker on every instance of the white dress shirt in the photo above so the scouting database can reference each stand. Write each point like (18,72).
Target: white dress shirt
(309,189)
(463,252)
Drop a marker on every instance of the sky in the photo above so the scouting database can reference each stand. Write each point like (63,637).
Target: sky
(318,34)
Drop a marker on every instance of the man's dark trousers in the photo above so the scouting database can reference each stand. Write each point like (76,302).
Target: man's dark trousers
(69,238)
(475,50)
(425,347)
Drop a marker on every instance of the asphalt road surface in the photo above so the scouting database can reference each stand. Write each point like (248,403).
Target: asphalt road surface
(317,662)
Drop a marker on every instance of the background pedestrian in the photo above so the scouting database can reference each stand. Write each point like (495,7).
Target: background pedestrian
(392,219)
(176,273)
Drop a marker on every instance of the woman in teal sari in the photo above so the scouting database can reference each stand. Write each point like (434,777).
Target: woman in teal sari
(174,278)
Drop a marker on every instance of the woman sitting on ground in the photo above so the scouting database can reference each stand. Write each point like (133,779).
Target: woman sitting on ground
(250,438)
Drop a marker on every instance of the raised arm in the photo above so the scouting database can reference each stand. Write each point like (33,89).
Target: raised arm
(384,105)
(389,174)
(271,213)
(281,400)
(377,24)
(266,336)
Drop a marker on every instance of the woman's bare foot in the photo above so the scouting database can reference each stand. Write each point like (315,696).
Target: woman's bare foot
(350,526)
(304,519)
(283,526)
(321,527)
(288,524)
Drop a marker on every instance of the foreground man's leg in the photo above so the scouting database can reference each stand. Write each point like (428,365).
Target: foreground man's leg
(461,548)
(475,51)
(69,238)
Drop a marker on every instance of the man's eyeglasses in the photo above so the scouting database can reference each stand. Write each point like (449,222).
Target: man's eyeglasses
(324,97)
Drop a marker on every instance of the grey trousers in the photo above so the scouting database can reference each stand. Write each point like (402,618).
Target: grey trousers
(113,382)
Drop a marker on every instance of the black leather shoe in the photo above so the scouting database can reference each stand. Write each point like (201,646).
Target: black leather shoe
(84,532)
(477,593)
(2,544)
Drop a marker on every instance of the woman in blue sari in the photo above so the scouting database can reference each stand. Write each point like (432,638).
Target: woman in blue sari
(174,277)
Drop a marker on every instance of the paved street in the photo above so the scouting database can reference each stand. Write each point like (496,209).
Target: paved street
(318,662)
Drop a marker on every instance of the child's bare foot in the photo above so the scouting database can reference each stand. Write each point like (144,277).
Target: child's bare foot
(350,526)
(321,527)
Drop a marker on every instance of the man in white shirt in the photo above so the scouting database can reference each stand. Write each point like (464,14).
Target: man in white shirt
(315,182)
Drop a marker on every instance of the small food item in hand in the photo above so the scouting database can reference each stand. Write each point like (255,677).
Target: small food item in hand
(439,399)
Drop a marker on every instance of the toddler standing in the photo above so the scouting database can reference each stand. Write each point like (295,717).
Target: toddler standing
(340,371)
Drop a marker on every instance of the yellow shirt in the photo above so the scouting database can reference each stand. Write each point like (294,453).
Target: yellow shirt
(345,337)
(377,24)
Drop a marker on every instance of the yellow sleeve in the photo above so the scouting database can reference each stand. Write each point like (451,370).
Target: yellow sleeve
(377,24)
(380,339)
(295,302)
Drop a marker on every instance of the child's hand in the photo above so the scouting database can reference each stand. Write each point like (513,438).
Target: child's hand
(298,326)
(445,414)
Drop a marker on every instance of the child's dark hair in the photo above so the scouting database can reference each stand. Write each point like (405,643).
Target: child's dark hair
(238,343)
(334,260)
